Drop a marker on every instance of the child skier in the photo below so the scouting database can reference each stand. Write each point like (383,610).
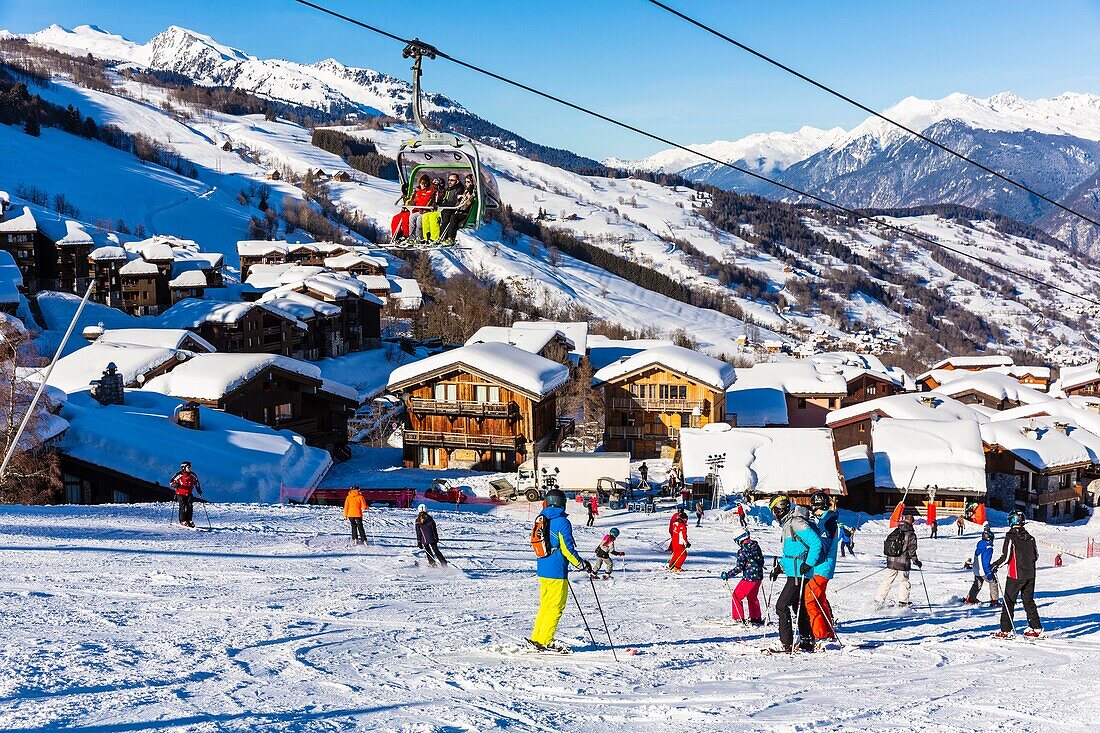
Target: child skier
(817,605)
(553,571)
(605,550)
(982,566)
(680,542)
(427,536)
(1020,553)
(801,552)
(750,566)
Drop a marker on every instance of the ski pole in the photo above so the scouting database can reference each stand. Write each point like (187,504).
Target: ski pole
(581,611)
(828,616)
(798,612)
(206,514)
(768,603)
(926,596)
(603,618)
(865,577)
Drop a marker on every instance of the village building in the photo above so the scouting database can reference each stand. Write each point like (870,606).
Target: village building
(809,390)
(991,390)
(349,258)
(1037,465)
(650,396)
(35,255)
(488,406)
(188,284)
(575,333)
(865,374)
(547,343)
(1036,377)
(937,376)
(1081,381)
(283,393)
(925,460)
(135,363)
(238,328)
(11,284)
(164,338)
(324,337)
(406,294)
(356,263)
(851,425)
(720,460)
(603,351)
(73,243)
(147,277)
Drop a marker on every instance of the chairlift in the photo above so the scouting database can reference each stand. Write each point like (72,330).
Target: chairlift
(440,154)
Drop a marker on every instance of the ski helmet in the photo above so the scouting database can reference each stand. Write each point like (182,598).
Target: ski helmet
(987,534)
(780,506)
(741,537)
(422,509)
(683,514)
(555,497)
(819,502)
(614,532)
(1016,519)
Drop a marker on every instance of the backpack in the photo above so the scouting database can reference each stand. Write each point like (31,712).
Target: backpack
(894,545)
(540,537)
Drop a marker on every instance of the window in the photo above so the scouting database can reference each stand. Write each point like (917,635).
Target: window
(862,427)
(673,392)
(428,457)
(802,403)
(871,389)
(120,497)
(487,393)
(284,411)
(499,460)
(446,392)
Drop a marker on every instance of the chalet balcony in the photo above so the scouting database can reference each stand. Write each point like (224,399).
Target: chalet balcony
(462,407)
(1047,497)
(461,440)
(659,405)
(300,425)
(640,432)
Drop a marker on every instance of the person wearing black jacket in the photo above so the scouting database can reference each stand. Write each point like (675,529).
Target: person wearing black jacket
(1021,554)
(427,537)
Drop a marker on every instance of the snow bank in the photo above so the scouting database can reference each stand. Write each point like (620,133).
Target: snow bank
(529,373)
(699,367)
(924,453)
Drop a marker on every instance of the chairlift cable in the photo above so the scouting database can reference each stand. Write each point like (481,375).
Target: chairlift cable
(873,112)
(860,215)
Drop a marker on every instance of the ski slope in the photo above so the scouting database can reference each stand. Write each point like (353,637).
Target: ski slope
(117,620)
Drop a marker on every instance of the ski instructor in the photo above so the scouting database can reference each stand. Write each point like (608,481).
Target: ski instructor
(552,541)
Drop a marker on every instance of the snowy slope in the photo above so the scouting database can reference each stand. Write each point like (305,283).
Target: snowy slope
(272,621)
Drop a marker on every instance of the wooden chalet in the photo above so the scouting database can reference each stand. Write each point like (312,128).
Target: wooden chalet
(650,396)
(238,328)
(810,390)
(992,390)
(851,425)
(34,253)
(1083,381)
(264,252)
(488,406)
(548,343)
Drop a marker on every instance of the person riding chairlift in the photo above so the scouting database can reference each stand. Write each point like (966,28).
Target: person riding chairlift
(453,219)
(446,198)
(408,219)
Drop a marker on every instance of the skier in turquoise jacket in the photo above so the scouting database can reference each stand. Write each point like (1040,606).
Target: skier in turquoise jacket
(828,530)
(801,552)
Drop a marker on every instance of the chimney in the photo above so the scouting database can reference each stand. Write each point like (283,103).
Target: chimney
(91,333)
(928,400)
(1062,427)
(187,416)
(107,390)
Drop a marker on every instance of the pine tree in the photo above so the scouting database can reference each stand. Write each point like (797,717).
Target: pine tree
(31,126)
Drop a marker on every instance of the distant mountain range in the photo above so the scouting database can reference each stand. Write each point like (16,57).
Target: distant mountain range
(1052,145)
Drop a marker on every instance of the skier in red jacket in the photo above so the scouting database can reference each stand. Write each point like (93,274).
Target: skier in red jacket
(186,483)
(680,542)
(417,204)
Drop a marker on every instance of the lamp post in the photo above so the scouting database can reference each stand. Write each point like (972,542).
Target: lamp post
(715,463)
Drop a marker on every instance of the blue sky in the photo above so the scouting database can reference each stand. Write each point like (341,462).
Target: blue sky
(632,60)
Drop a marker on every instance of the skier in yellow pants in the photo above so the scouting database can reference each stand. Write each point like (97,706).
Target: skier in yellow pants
(553,570)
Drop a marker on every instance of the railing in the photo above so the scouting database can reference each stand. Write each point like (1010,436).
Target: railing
(297,424)
(658,405)
(1047,497)
(461,440)
(462,407)
(649,433)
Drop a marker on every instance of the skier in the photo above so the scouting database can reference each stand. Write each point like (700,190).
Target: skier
(186,483)
(983,570)
(741,515)
(680,542)
(817,605)
(960,525)
(698,514)
(900,549)
(553,570)
(750,566)
(801,552)
(354,506)
(643,472)
(593,510)
(934,526)
(847,538)
(605,550)
(1020,553)
(427,536)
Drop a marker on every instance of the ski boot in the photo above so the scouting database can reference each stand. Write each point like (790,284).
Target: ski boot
(757,622)
(1005,635)
(993,604)
(557,648)
(807,645)
(1034,633)
(535,645)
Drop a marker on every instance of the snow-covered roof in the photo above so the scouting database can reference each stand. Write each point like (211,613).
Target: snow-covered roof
(798,378)
(301,304)
(11,278)
(852,365)
(1072,377)
(237,460)
(212,376)
(1019,371)
(351,259)
(374,282)
(910,406)
(698,367)
(603,351)
(972,362)
(264,277)
(1036,442)
(109,252)
(764,460)
(530,340)
(406,291)
(575,331)
(529,373)
(19,220)
(1077,410)
(992,384)
(756,407)
(193,312)
(188,279)
(925,453)
(339,389)
(77,370)
(165,338)
(855,462)
(65,232)
(260,248)
(138,267)
(157,250)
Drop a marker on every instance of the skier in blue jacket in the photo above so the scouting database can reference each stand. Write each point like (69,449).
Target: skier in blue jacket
(801,552)
(983,570)
(818,609)
(553,572)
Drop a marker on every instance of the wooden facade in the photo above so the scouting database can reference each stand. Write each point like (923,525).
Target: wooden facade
(1090,388)
(977,397)
(35,255)
(460,418)
(1045,495)
(646,409)
(868,386)
(260,331)
(73,268)
(86,483)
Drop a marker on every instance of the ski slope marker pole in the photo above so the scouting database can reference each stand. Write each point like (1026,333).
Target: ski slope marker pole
(603,619)
(581,610)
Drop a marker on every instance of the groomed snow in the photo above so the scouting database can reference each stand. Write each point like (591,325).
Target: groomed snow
(917,454)
(766,461)
(702,368)
(529,373)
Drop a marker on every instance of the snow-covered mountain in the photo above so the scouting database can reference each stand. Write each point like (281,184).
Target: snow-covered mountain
(1052,145)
